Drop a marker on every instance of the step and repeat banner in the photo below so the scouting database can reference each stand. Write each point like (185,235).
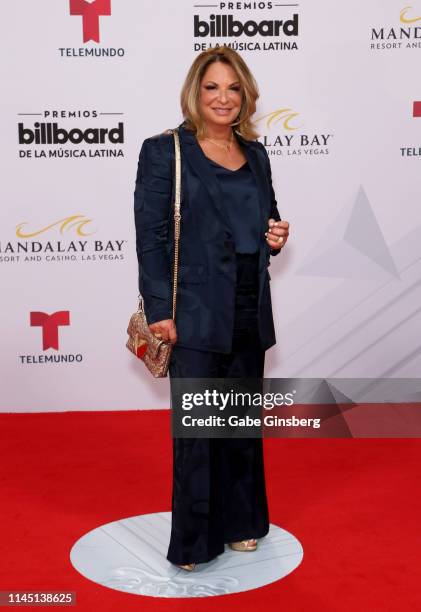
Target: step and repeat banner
(84,83)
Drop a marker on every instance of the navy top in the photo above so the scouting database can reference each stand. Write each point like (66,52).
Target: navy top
(242,205)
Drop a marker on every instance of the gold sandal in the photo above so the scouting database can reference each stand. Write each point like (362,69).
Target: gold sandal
(244,545)
(189,567)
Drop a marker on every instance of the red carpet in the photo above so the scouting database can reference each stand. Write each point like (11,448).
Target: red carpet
(354,504)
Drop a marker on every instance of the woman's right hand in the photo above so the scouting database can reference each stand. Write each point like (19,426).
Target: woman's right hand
(165,330)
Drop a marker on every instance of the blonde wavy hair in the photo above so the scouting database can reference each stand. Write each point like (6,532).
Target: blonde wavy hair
(190,93)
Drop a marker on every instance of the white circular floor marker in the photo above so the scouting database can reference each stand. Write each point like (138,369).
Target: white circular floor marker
(130,555)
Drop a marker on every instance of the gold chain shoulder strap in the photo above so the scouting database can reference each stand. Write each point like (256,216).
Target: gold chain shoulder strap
(177,215)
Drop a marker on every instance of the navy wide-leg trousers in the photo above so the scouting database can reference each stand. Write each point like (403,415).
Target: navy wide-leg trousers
(219,493)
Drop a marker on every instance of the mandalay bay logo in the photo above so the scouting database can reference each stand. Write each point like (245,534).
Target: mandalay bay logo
(72,242)
(394,37)
(285,134)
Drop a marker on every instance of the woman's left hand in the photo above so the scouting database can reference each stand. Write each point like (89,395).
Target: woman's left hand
(277,234)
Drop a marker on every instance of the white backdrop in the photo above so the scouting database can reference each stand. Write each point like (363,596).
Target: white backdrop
(338,115)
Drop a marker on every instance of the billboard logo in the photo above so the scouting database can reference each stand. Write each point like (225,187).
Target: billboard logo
(51,133)
(49,325)
(227,26)
(90,11)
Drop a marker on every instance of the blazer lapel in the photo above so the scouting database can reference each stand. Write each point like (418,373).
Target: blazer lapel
(261,183)
(196,159)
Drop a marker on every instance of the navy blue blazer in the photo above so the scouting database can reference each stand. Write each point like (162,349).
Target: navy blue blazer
(207,260)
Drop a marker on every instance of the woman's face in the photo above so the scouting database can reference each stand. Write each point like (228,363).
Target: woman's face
(220,94)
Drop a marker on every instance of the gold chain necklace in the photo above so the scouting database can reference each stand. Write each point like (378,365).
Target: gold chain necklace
(225,147)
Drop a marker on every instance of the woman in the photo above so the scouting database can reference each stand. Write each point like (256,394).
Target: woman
(230,225)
